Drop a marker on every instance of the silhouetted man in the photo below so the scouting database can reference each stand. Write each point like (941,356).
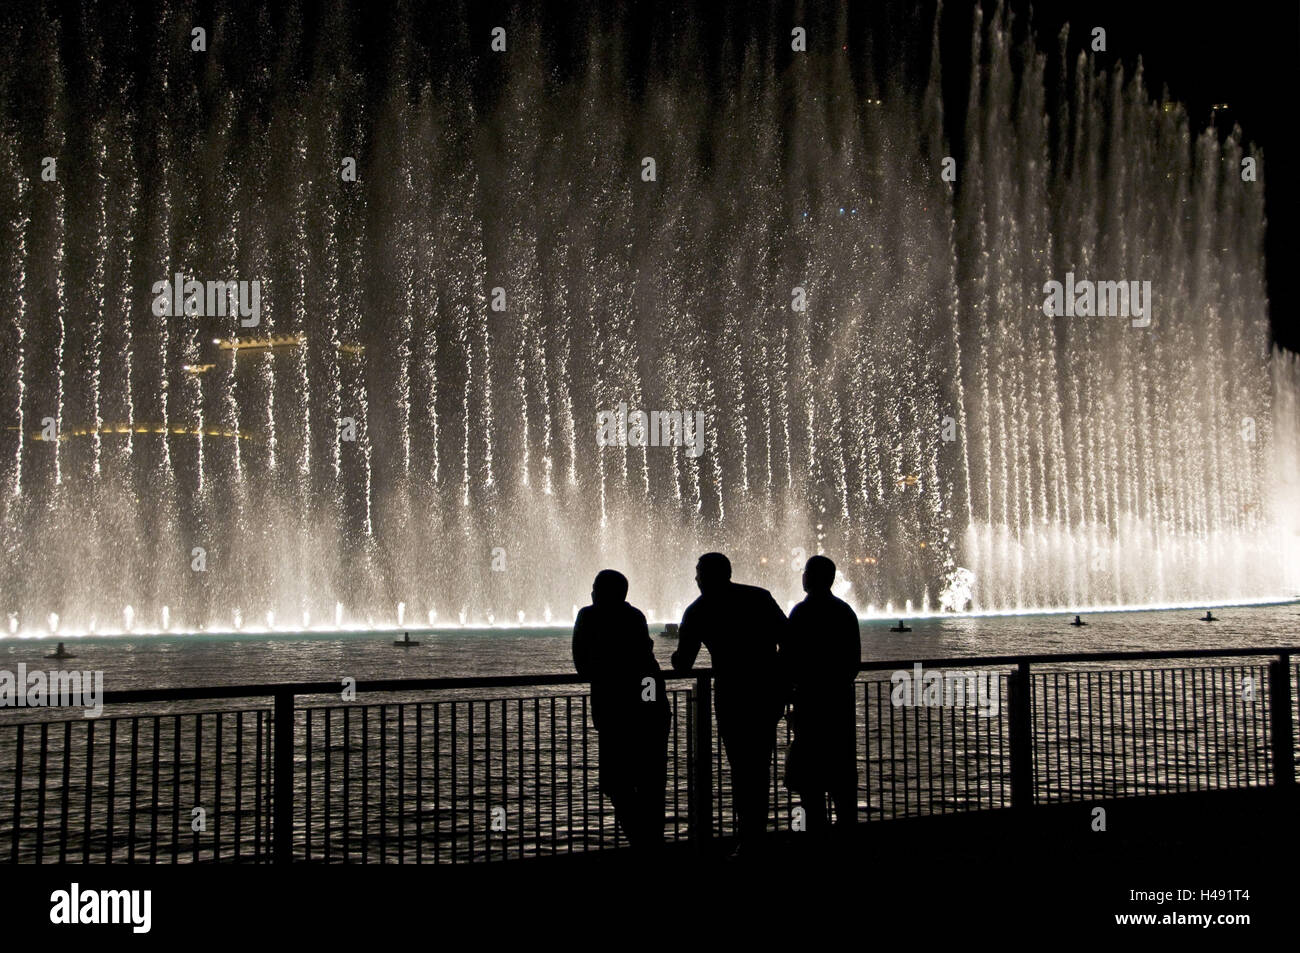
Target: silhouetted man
(821,654)
(742,626)
(612,649)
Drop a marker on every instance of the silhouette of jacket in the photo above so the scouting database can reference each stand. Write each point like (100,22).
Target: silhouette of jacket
(743,628)
(821,654)
(612,649)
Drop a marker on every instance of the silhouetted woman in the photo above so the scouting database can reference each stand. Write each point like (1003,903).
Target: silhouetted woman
(612,649)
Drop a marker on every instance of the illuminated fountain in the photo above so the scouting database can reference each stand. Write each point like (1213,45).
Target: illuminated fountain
(408,451)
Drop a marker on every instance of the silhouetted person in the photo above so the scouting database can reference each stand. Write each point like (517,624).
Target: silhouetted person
(742,626)
(821,654)
(629,707)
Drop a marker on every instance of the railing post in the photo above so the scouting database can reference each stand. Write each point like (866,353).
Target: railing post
(1022,746)
(282,792)
(1280,721)
(702,766)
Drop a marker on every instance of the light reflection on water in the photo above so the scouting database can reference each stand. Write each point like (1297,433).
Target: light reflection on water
(157,661)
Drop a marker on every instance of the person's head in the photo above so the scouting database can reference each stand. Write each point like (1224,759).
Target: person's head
(609,589)
(712,572)
(818,574)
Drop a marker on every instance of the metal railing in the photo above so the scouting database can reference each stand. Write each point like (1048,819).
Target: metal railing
(465,769)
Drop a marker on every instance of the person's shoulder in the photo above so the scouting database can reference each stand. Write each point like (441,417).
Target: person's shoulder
(633,613)
(844,609)
(583,614)
(754,592)
(695,608)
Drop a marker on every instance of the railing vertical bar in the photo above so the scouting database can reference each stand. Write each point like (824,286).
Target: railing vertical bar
(1072,722)
(1193,712)
(65,792)
(1215,677)
(568,769)
(1238,758)
(893,764)
(702,769)
(346,746)
(1264,749)
(455,814)
(437,782)
(1280,721)
(692,796)
(112,775)
(1231,695)
(469,776)
(176,787)
(520,772)
(1060,793)
(16,834)
(929,759)
(328,832)
(1230,689)
(218,759)
(676,775)
(1022,771)
(505,778)
(88,804)
(198,778)
(870,688)
(487,780)
(307,714)
(1087,746)
(1145,772)
(383,784)
(283,778)
(551,792)
(257,790)
(154,793)
(1125,719)
(419,782)
(365,783)
(724,823)
(1162,736)
(239,783)
(401,783)
(1188,748)
(1227,699)
(40,793)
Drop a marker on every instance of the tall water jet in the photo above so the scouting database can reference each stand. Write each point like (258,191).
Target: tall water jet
(464,270)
